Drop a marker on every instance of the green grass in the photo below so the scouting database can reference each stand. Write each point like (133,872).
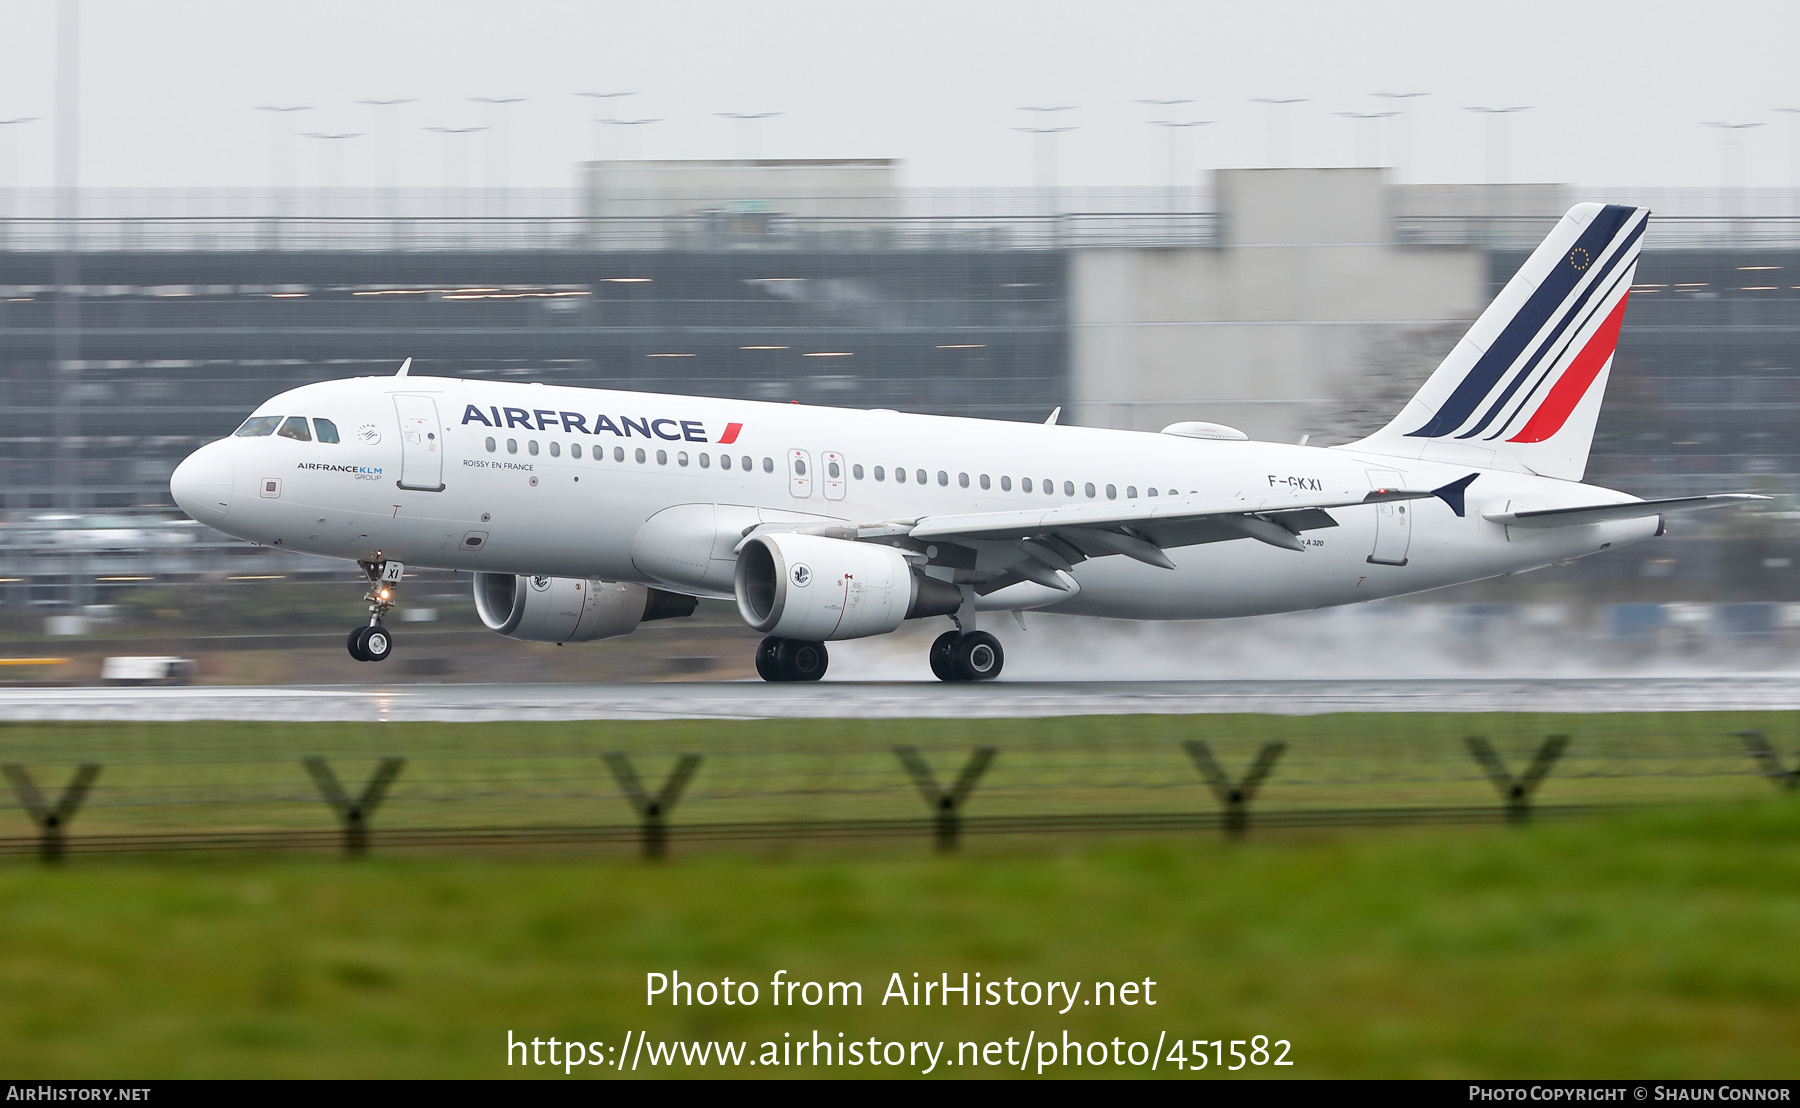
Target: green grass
(1653,942)
(1644,945)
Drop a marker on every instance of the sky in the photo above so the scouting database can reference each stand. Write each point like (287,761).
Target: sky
(1617,92)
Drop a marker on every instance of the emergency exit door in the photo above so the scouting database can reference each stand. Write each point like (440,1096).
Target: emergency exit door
(421,444)
(1393,522)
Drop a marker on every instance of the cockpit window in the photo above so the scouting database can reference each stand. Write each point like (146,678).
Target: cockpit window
(295,428)
(257,427)
(326,429)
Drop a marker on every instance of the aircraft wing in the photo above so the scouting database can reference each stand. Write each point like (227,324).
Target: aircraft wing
(998,549)
(1602,513)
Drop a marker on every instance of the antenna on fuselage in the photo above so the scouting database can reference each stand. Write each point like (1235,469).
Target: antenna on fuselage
(404,366)
(1051,422)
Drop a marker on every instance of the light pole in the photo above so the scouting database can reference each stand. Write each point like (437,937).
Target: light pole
(1369,158)
(1731,165)
(331,166)
(9,169)
(496,160)
(1044,152)
(1278,126)
(281,156)
(600,96)
(1167,152)
(631,147)
(1498,154)
(455,167)
(1173,130)
(1399,130)
(387,151)
(1793,115)
(749,132)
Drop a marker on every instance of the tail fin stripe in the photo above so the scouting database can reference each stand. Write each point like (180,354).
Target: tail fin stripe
(1549,373)
(1575,381)
(1523,327)
(1563,334)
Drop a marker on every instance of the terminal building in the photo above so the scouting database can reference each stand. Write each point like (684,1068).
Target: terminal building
(1289,303)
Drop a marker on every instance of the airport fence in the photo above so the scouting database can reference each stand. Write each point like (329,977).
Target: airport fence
(658,786)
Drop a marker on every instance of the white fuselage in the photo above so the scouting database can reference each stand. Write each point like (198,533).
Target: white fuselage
(427,489)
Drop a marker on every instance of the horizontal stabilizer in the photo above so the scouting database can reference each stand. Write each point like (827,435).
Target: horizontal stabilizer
(1603,513)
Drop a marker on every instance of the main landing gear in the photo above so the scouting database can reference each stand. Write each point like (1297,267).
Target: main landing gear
(779,659)
(374,642)
(975,656)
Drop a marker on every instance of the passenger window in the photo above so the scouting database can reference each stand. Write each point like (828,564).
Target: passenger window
(724,461)
(574,450)
(257,427)
(745,463)
(662,457)
(1025,484)
(556,450)
(1006,484)
(1050,487)
(640,455)
(832,469)
(1089,489)
(880,474)
(706,461)
(1130,492)
(984,481)
(681,458)
(1152,492)
(768,465)
(326,430)
(512,446)
(944,480)
(1069,489)
(531,447)
(856,472)
(920,474)
(295,428)
(619,454)
(490,444)
(1174,492)
(800,466)
(900,474)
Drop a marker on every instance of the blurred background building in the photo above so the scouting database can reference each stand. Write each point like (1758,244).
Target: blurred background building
(1287,302)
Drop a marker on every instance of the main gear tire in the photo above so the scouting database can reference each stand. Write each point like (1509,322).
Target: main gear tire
(978,657)
(768,661)
(354,643)
(802,661)
(943,657)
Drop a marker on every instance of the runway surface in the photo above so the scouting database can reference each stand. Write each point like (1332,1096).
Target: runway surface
(896,700)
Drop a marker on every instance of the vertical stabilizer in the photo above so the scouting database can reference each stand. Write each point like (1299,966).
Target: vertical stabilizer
(1522,390)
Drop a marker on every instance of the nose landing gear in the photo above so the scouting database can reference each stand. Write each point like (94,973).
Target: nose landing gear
(373,642)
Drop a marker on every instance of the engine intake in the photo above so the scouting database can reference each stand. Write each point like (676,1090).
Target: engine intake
(814,588)
(570,609)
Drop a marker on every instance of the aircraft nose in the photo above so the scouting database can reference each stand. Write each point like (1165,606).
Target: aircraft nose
(201,484)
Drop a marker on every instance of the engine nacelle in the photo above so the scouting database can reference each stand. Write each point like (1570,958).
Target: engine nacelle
(570,609)
(814,588)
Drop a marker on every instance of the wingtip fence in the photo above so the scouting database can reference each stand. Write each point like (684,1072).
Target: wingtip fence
(946,823)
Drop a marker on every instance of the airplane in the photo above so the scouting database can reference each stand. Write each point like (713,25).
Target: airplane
(582,513)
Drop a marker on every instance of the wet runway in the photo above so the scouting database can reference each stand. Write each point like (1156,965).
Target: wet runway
(895,700)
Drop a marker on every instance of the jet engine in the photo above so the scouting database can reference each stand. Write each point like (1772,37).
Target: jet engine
(570,609)
(812,588)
